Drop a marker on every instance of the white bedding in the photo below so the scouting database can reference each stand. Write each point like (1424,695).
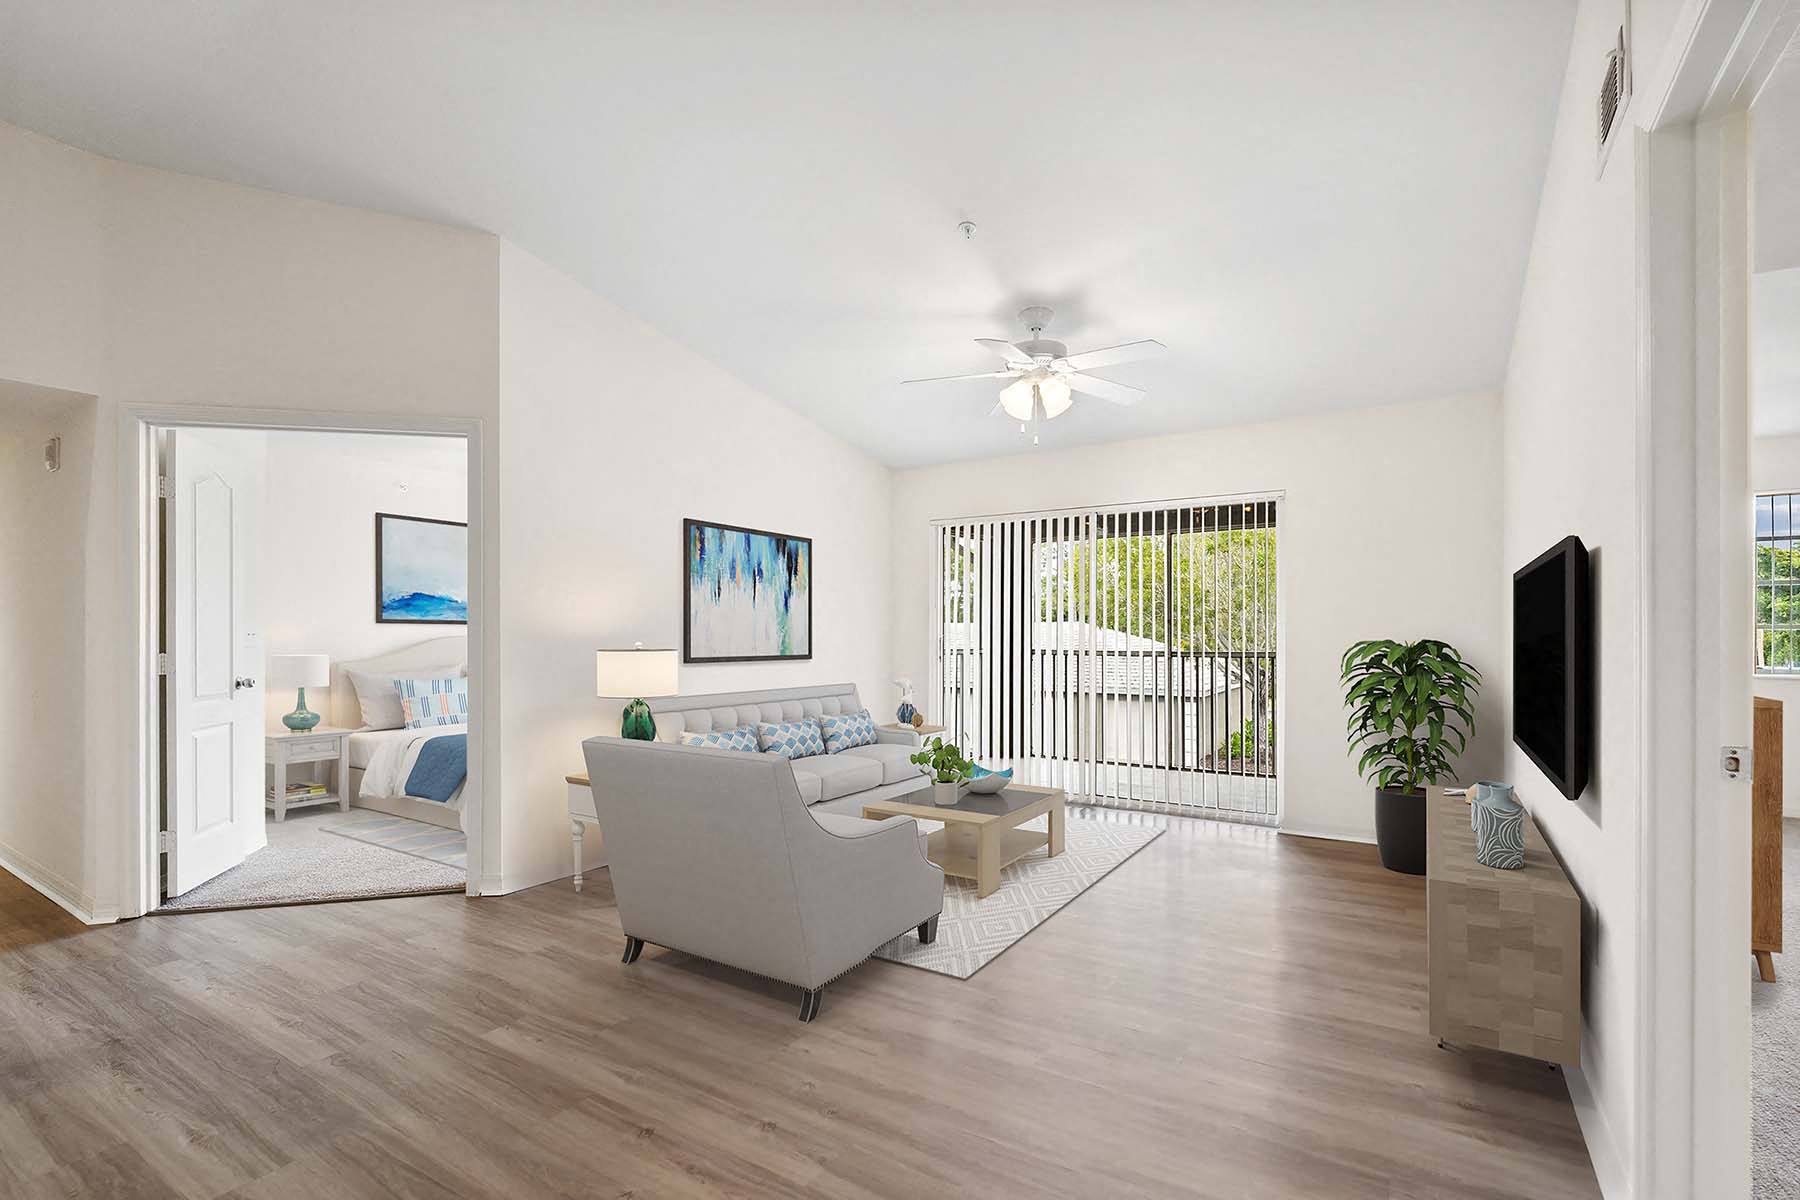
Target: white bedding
(387,757)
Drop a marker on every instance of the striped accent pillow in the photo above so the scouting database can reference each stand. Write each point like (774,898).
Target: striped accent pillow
(791,739)
(427,703)
(742,738)
(844,730)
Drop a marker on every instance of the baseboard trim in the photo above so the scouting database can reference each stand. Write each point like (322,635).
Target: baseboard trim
(1596,1131)
(493,885)
(1326,835)
(52,887)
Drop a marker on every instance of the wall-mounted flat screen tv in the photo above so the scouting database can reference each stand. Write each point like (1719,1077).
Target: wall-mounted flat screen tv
(1553,676)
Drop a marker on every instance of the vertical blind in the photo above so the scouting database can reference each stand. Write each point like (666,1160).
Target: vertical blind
(1126,655)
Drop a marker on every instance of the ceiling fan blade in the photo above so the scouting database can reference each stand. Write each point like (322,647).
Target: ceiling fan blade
(1111,355)
(1105,389)
(953,378)
(1006,350)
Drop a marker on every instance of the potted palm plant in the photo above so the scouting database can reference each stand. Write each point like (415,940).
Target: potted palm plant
(946,766)
(1412,709)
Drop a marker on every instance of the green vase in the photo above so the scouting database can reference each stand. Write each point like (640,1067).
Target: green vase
(637,723)
(301,719)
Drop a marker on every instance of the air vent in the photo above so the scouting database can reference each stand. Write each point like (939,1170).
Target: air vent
(1615,94)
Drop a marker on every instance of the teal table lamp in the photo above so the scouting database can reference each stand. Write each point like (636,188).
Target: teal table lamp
(300,671)
(631,675)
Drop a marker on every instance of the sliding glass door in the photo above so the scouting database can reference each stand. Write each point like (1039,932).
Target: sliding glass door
(1126,655)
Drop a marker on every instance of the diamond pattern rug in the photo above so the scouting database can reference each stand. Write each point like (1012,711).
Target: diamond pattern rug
(973,933)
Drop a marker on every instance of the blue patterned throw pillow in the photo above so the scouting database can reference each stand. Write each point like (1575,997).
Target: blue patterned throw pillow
(792,739)
(743,738)
(844,730)
(430,702)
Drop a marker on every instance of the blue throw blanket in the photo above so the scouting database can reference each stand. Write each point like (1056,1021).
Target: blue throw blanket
(439,770)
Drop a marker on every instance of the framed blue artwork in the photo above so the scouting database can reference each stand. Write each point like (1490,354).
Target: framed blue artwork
(747,594)
(421,571)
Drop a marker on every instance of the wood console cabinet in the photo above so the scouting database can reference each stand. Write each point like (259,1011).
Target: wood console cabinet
(1505,946)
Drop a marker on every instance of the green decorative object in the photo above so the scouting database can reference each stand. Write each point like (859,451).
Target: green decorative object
(302,718)
(637,723)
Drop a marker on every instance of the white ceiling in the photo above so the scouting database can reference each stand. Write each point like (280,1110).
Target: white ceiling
(1314,207)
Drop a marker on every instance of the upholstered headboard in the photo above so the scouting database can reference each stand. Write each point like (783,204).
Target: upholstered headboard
(728,710)
(346,713)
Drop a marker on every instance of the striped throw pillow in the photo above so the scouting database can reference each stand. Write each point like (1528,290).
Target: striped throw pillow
(427,703)
(742,738)
(791,739)
(844,730)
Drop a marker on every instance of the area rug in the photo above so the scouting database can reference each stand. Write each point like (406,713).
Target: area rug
(327,870)
(447,846)
(973,933)
(1775,1051)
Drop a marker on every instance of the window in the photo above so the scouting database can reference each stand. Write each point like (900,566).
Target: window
(1128,655)
(1778,583)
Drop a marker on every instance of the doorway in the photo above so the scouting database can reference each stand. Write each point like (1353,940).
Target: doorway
(313,603)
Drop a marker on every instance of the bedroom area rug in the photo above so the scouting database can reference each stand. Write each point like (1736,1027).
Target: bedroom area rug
(305,864)
(439,845)
(973,933)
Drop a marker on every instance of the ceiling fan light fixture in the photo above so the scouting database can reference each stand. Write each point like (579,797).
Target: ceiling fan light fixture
(1016,400)
(1056,397)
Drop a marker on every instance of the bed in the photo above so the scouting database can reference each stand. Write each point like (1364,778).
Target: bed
(382,759)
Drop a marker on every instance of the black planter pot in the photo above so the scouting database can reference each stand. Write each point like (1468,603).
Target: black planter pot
(1400,830)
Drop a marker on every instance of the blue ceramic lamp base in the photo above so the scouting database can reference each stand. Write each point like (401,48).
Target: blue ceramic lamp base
(302,718)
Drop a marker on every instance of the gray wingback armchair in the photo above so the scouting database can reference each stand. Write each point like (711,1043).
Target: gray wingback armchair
(713,852)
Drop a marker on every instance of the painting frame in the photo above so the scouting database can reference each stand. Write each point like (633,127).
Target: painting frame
(381,615)
(688,526)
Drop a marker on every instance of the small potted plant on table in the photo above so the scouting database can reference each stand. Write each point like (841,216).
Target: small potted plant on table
(946,766)
(1411,709)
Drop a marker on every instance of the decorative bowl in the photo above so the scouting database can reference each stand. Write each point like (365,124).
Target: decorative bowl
(985,782)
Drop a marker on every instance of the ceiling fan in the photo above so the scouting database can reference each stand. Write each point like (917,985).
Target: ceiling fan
(1045,374)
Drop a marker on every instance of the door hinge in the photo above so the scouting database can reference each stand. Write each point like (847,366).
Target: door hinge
(162,664)
(165,488)
(162,842)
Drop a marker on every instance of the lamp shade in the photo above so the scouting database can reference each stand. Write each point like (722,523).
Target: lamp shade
(300,670)
(630,674)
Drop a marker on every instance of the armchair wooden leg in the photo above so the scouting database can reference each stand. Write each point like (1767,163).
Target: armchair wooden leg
(928,931)
(809,1002)
(633,948)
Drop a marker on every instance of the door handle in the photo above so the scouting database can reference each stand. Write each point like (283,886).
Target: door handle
(241,684)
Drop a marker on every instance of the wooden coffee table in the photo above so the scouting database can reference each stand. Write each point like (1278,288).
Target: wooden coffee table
(981,834)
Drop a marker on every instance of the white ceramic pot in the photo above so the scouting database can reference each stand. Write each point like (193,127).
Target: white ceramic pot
(944,794)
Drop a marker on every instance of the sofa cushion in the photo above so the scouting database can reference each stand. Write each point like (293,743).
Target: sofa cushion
(845,730)
(839,774)
(742,739)
(896,762)
(791,739)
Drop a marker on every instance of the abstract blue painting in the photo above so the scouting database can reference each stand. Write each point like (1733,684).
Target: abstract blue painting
(421,571)
(749,594)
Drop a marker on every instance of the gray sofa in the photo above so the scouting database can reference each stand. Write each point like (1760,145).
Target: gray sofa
(836,783)
(715,853)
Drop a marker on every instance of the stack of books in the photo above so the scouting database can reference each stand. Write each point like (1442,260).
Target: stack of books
(299,791)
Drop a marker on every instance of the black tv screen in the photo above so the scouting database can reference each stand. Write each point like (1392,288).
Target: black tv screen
(1552,668)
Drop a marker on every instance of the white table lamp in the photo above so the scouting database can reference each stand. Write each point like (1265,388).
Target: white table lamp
(632,675)
(300,671)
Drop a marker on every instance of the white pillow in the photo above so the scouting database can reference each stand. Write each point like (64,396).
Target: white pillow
(379,698)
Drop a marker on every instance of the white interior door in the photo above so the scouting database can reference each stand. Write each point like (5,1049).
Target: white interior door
(214,719)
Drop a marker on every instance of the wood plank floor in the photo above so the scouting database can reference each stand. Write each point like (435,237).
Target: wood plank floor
(1229,1014)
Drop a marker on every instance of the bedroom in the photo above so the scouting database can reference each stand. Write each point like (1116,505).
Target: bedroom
(318,583)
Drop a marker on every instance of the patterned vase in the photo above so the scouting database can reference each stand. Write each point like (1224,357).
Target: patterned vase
(1500,833)
(905,713)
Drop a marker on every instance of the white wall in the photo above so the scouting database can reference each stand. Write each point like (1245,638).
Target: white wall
(1569,426)
(1775,467)
(1390,529)
(611,433)
(321,494)
(43,655)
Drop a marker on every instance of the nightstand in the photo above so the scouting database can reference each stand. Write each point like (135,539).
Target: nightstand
(323,744)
